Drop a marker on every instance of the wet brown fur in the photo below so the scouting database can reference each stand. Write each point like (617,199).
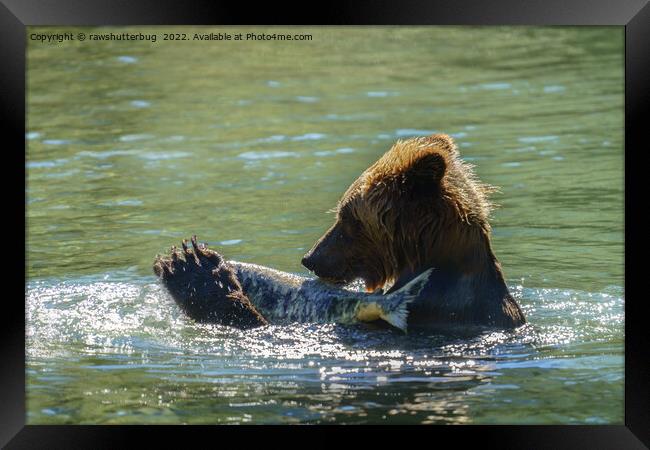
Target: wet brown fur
(418,206)
(394,229)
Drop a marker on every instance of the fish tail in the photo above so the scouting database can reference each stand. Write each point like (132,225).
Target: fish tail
(398,315)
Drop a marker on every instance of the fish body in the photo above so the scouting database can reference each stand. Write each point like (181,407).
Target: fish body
(283,298)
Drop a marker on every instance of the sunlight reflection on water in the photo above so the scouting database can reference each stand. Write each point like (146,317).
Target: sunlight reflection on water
(115,326)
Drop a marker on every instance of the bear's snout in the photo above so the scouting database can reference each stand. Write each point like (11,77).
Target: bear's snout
(308,261)
(317,263)
(327,257)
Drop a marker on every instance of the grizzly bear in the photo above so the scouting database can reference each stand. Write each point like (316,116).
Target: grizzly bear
(420,207)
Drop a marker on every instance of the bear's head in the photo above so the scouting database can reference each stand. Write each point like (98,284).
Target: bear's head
(418,206)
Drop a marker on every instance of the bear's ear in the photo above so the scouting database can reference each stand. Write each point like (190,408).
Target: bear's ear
(426,170)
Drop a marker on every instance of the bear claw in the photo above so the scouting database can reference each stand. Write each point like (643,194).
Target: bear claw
(204,285)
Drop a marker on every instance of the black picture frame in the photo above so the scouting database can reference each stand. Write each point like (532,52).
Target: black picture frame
(634,15)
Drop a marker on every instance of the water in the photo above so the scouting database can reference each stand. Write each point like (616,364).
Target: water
(132,146)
